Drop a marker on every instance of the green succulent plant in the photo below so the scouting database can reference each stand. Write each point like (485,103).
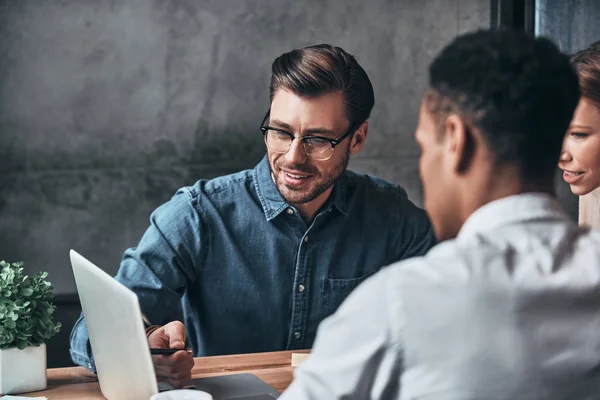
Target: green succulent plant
(26,313)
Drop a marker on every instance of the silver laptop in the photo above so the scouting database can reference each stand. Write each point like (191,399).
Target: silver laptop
(118,340)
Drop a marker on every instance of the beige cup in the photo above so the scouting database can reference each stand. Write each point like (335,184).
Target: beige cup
(182,394)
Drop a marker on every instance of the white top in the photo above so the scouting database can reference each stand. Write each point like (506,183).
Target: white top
(510,309)
(589,209)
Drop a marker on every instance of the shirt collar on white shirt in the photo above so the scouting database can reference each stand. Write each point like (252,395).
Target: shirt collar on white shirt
(513,209)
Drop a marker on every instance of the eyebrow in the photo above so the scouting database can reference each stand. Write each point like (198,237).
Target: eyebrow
(311,131)
(580,126)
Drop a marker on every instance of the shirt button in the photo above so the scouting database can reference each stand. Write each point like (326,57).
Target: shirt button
(297,335)
(290,211)
(305,239)
(301,288)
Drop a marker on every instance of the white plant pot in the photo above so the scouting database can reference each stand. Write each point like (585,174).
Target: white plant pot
(23,370)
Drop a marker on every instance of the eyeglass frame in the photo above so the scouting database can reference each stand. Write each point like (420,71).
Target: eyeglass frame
(334,142)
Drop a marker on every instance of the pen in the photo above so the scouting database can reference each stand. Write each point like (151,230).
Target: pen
(168,352)
(146,320)
(164,352)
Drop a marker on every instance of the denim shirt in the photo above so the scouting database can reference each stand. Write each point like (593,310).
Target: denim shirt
(244,271)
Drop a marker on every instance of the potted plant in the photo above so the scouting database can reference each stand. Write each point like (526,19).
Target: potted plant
(26,323)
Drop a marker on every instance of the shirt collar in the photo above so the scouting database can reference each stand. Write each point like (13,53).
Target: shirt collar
(273,203)
(513,209)
(339,195)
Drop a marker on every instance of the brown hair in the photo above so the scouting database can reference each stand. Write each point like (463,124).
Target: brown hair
(316,70)
(587,64)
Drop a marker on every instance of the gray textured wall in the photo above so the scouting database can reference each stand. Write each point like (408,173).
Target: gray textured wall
(107,107)
(573,25)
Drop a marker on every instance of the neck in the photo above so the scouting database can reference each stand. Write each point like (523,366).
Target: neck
(309,210)
(497,183)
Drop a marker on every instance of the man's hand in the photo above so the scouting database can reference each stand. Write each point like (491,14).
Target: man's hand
(176,368)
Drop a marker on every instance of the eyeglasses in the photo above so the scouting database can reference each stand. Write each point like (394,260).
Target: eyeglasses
(316,147)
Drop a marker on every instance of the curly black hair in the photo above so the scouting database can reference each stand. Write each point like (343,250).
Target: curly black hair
(518,91)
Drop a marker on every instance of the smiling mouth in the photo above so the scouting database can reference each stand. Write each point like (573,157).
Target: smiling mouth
(296,180)
(572,176)
(572,173)
(296,176)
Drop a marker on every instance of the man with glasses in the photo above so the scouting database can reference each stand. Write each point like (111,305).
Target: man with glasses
(255,260)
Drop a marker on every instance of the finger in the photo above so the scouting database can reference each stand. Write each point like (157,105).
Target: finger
(162,376)
(159,339)
(161,360)
(175,374)
(171,370)
(189,362)
(179,383)
(180,357)
(168,371)
(183,358)
(176,344)
(176,333)
(181,375)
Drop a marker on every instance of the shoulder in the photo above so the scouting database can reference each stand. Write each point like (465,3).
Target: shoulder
(443,263)
(186,202)
(210,187)
(369,184)
(379,196)
(375,193)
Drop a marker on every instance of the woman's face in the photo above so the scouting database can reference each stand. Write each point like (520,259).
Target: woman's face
(580,156)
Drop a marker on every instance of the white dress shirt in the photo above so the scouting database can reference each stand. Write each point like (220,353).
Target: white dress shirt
(510,309)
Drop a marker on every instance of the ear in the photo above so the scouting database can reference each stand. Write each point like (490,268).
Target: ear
(359,138)
(460,143)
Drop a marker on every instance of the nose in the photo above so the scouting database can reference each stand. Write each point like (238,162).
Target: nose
(296,153)
(565,154)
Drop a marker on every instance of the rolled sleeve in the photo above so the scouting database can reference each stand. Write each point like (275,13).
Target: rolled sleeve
(158,270)
(80,351)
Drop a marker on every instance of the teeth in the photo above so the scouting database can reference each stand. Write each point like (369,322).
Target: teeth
(296,176)
(569,173)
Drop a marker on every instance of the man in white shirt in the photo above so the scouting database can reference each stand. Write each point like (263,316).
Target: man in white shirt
(508,305)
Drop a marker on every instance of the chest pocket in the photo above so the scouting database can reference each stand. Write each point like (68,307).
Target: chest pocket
(335,292)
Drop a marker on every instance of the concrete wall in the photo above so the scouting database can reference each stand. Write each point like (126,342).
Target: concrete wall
(573,25)
(108,106)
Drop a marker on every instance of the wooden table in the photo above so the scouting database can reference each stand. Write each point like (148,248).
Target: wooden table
(273,368)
